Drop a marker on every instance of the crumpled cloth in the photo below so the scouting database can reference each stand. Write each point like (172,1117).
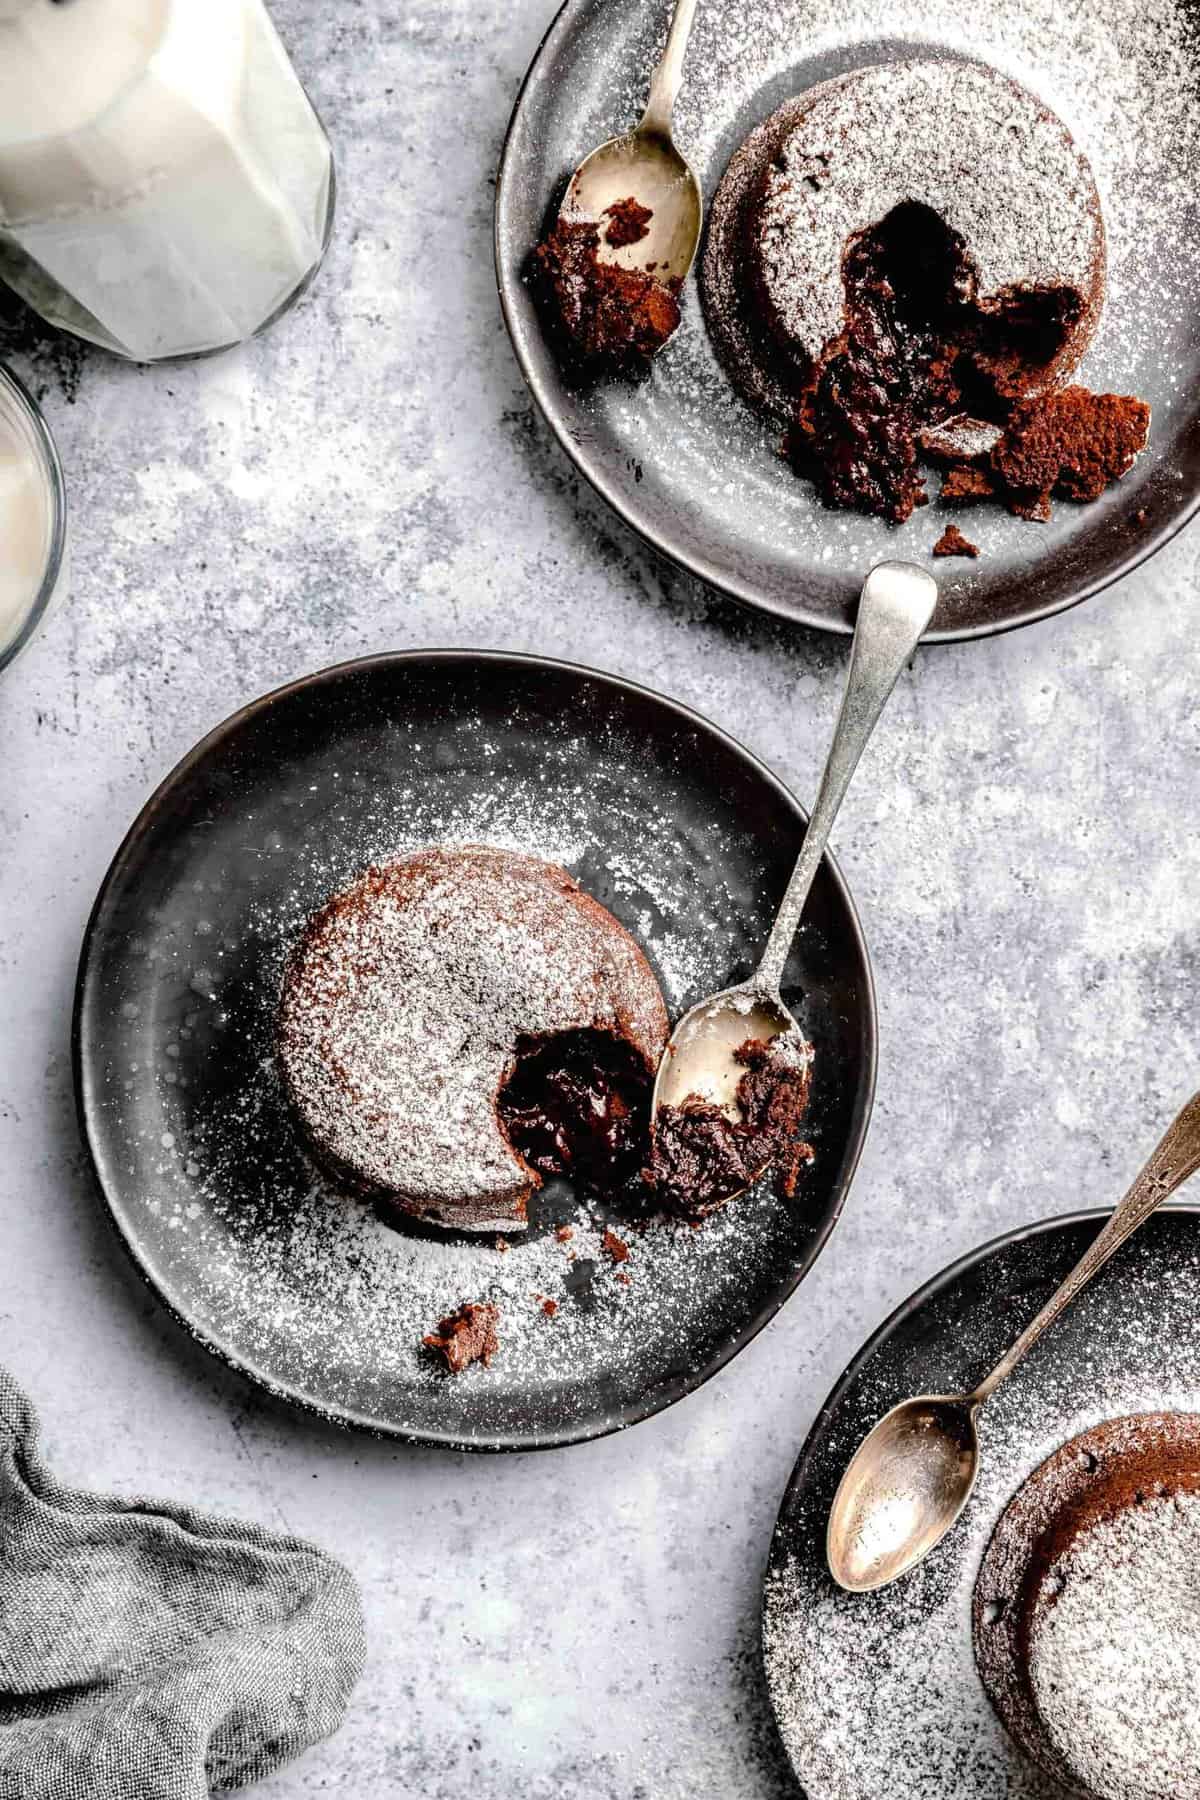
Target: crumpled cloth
(149,1652)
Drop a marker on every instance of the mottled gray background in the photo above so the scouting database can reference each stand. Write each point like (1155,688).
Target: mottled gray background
(1022,845)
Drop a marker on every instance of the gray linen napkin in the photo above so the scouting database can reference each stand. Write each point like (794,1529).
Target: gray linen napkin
(148,1652)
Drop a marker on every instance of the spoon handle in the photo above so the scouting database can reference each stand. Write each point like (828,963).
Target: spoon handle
(897,604)
(664,83)
(1177,1157)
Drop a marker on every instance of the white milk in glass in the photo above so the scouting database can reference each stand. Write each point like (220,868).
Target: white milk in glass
(25,523)
(165,185)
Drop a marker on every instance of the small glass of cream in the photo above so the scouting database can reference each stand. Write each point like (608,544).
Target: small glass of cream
(33,519)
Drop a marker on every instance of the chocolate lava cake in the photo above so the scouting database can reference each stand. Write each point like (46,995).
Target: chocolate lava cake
(461,1022)
(1087,1611)
(906,244)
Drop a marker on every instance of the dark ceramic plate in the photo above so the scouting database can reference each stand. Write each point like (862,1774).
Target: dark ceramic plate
(876,1696)
(684,461)
(670,823)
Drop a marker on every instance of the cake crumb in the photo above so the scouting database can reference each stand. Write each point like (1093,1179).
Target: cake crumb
(466,1336)
(1072,443)
(614,1246)
(953,543)
(960,486)
(702,1155)
(960,439)
(628,222)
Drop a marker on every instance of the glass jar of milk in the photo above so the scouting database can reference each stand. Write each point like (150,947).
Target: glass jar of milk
(33,524)
(166,188)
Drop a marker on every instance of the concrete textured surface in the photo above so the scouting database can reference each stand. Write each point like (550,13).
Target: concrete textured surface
(1022,845)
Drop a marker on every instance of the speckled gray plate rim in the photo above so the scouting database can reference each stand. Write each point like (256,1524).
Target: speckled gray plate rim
(684,463)
(1130,1344)
(196,1155)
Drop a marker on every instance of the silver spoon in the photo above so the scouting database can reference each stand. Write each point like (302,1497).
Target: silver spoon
(911,1476)
(897,604)
(645,165)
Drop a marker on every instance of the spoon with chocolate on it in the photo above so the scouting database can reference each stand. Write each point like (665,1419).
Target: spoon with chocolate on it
(913,1473)
(627,231)
(732,1086)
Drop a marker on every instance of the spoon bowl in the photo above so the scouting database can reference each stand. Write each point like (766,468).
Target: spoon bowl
(699,1060)
(643,165)
(905,1486)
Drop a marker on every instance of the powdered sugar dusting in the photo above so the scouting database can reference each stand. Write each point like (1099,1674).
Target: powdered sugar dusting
(971,145)
(878,1696)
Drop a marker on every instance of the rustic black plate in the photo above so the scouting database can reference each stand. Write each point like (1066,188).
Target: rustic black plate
(876,1696)
(684,461)
(670,823)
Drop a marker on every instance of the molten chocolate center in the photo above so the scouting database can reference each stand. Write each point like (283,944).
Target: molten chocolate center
(916,347)
(578,1104)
